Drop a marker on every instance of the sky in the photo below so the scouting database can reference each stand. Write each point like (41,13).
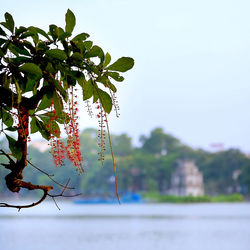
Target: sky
(192,63)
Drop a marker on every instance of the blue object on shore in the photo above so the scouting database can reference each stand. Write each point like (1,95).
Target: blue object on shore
(128,198)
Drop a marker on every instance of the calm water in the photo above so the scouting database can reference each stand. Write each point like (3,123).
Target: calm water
(127,227)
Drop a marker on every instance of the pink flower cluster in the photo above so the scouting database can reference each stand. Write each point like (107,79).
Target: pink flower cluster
(72,149)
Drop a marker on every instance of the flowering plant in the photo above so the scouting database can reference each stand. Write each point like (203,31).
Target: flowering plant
(41,74)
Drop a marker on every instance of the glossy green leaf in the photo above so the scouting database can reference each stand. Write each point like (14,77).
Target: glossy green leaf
(9,22)
(40,31)
(107,60)
(1,53)
(77,56)
(70,21)
(11,129)
(106,82)
(45,103)
(112,86)
(57,103)
(94,52)
(105,100)
(49,68)
(42,129)
(116,76)
(20,30)
(2,33)
(81,37)
(19,60)
(20,50)
(103,79)
(15,148)
(56,54)
(26,34)
(62,35)
(122,64)
(33,126)
(2,41)
(35,34)
(30,85)
(19,92)
(88,45)
(32,70)
(87,89)
(54,31)
(7,118)
(60,89)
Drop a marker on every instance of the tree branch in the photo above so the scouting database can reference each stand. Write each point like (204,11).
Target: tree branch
(49,175)
(19,207)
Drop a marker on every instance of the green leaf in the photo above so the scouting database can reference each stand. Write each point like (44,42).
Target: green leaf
(61,118)
(33,126)
(42,129)
(107,60)
(35,34)
(1,53)
(49,68)
(32,70)
(11,129)
(15,148)
(19,50)
(45,103)
(19,92)
(57,103)
(56,54)
(112,86)
(116,76)
(61,34)
(81,37)
(88,45)
(60,89)
(2,41)
(53,31)
(87,89)
(70,21)
(95,51)
(103,79)
(105,100)
(19,59)
(20,30)
(9,22)
(122,64)
(27,34)
(2,33)
(77,56)
(7,118)
(53,126)
(30,85)
(40,31)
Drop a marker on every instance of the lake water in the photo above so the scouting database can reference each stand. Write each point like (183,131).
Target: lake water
(127,227)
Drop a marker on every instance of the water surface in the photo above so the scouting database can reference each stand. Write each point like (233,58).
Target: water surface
(122,227)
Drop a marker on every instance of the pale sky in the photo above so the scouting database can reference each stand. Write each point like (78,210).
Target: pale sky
(192,62)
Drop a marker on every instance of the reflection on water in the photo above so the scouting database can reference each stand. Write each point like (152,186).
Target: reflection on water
(112,227)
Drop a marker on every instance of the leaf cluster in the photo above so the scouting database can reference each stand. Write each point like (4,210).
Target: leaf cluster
(39,67)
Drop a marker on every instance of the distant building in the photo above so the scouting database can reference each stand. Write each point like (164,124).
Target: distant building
(187,180)
(42,146)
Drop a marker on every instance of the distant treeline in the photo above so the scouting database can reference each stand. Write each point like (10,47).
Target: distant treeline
(147,168)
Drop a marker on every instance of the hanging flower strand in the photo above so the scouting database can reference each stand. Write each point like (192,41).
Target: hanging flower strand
(72,130)
(57,146)
(101,132)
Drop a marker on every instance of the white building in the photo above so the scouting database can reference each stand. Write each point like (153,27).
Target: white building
(187,180)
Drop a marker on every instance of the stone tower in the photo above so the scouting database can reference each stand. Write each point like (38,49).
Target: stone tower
(187,180)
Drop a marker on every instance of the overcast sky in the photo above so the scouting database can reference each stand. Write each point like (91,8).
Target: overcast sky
(192,62)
